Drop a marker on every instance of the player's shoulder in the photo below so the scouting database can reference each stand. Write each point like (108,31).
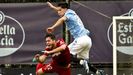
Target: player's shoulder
(60,41)
(70,11)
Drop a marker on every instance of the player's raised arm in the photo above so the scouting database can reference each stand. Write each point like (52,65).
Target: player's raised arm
(52,6)
(58,23)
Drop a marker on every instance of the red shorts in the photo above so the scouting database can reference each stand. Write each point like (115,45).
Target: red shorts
(50,68)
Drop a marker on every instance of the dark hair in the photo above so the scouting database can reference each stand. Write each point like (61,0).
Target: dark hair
(63,5)
(52,36)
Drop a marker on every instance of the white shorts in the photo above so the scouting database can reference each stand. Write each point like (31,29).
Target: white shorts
(81,47)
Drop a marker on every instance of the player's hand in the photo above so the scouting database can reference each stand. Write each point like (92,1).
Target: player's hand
(37,55)
(36,58)
(50,30)
(49,4)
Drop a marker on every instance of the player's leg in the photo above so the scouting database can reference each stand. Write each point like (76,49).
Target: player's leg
(85,55)
(40,72)
(79,47)
(80,53)
(72,51)
(47,68)
(76,47)
(39,66)
(40,59)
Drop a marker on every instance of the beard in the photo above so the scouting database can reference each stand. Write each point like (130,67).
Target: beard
(50,46)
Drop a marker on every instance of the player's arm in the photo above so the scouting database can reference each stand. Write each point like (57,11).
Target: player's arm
(58,49)
(58,23)
(52,6)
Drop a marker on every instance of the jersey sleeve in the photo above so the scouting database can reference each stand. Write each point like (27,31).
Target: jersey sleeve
(61,43)
(69,15)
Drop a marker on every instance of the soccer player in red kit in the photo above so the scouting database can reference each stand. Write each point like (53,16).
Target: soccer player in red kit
(60,54)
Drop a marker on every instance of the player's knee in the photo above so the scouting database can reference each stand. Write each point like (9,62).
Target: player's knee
(42,59)
(40,72)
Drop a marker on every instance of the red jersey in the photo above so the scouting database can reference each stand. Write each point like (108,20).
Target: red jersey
(61,58)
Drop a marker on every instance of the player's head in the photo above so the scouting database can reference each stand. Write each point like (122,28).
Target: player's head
(62,7)
(50,40)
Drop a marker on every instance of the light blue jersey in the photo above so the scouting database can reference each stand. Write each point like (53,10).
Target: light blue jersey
(75,25)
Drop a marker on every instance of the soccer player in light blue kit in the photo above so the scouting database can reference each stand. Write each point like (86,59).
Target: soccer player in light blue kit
(82,43)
